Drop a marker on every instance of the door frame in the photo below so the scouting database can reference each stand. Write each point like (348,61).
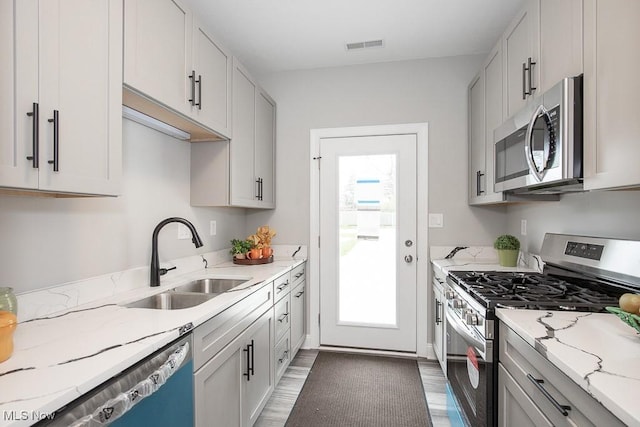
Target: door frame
(423,347)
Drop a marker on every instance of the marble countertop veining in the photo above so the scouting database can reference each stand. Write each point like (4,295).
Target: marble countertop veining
(59,357)
(597,351)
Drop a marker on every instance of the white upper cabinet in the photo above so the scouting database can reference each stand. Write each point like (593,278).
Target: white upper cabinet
(611,87)
(265,148)
(485,114)
(244,185)
(560,41)
(521,53)
(213,82)
(240,172)
(172,61)
(66,107)
(157,51)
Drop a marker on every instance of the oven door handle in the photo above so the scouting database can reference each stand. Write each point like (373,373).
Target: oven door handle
(461,329)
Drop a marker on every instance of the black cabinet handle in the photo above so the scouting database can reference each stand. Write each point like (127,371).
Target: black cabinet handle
(527,71)
(524,82)
(478,190)
(192,77)
(299,294)
(563,409)
(283,317)
(284,356)
(297,276)
(438,318)
(282,286)
(35,113)
(56,139)
(261,188)
(252,361)
(247,374)
(258,188)
(199,81)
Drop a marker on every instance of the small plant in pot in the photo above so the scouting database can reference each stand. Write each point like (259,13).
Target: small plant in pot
(239,248)
(508,248)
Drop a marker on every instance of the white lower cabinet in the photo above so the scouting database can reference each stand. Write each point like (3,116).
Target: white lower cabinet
(297,317)
(533,392)
(232,388)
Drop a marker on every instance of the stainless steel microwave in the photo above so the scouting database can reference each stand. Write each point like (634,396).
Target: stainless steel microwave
(539,149)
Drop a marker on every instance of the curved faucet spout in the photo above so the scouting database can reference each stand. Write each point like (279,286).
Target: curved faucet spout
(154,277)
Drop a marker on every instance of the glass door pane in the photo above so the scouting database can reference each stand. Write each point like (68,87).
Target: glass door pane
(367,240)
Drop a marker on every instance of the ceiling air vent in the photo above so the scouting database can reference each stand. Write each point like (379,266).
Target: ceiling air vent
(365,45)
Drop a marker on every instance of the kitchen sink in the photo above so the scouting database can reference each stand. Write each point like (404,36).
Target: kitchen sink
(210,286)
(171,301)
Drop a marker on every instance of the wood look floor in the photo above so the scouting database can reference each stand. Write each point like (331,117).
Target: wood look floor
(279,406)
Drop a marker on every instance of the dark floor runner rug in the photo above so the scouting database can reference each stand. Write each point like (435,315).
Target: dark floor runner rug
(350,390)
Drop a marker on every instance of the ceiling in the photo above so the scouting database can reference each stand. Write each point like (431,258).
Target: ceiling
(278,35)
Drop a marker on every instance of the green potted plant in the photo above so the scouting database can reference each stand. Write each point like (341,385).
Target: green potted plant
(508,247)
(239,248)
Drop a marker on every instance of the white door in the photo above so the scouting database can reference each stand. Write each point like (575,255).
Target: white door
(368,242)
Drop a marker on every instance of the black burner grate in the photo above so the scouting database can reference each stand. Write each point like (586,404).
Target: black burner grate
(536,290)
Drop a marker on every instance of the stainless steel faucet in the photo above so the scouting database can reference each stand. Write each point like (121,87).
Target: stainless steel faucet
(156,271)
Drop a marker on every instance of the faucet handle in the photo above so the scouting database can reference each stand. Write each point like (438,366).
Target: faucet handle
(164,271)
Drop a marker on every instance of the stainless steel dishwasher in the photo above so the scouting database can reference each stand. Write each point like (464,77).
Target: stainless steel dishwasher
(158,391)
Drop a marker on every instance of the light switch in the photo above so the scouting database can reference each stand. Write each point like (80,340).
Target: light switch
(436,220)
(212,228)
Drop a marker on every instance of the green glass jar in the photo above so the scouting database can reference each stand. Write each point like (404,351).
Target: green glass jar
(8,301)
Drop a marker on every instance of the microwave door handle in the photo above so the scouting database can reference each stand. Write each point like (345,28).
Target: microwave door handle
(528,146)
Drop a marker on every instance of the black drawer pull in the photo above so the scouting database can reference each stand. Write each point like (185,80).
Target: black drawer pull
(282,286)
(283,317)
(192,77)
(299,275)
(284,357)
(299,294)
(563,409)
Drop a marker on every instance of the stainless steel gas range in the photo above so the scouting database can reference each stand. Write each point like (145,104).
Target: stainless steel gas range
(580,274)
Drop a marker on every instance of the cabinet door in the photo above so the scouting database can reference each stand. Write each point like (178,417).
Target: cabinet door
(243,181)
(260,384)
(515,408)
(297,318)
(520,44)
(18,92)
(438,320)
(560,41)
(213,66)
(265,148)
(611,87)
(80,79)
(493,115)
(218,390)
(477,149)
(157,51)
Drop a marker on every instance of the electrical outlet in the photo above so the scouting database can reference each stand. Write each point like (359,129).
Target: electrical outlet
(183,232)
(523,227)
(212,228)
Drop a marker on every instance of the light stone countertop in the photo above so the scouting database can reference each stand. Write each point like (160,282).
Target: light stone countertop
(59,357)
(597,351)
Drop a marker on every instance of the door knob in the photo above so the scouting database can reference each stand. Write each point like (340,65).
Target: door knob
(408,258)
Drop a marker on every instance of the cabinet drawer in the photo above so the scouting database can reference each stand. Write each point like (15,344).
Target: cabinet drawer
(298,274)
(282,317)
(537,376)
(281,286)
(282,352)
(210,337)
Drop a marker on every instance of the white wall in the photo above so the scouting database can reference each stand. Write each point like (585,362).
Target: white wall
(47,241)
(603,213)
(433,91)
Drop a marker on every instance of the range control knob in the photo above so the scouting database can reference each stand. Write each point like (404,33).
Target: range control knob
(471,318)
(449,294)
(458,303)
